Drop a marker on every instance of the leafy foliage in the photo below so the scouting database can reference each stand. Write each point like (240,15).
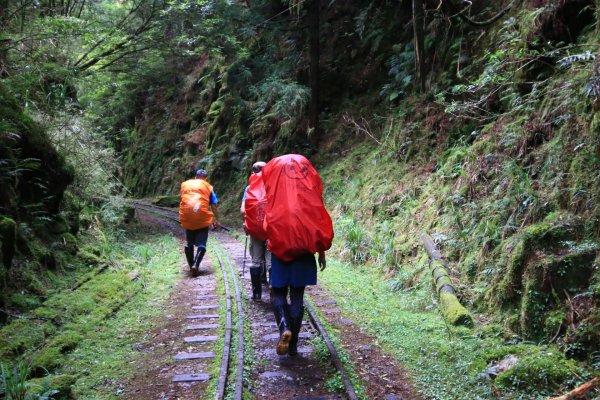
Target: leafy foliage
(282,100)
(13,382)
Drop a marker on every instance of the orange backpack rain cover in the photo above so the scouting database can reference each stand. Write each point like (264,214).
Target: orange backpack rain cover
(296,220)
(194,208)
(255,203)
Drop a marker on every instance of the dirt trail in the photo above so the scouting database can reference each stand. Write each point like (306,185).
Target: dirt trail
(272,376)
(157,366)
(278,377)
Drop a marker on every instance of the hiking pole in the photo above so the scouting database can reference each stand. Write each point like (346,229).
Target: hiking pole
(225,228)
(244,262)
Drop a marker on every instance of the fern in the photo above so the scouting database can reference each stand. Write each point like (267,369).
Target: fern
(567,62)
(281,99)
(592,88)
(13,382)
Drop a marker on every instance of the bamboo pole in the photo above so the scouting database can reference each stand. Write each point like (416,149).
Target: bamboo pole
(451,309)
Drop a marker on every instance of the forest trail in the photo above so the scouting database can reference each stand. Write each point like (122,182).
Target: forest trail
(309,375)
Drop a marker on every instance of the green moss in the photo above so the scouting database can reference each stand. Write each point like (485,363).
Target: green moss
(23,301)
(452,162)
(60,383)
(89,256)
(500,352)
(52,355)
(542,372)
(533,302)
(167,201)
(69,243)
(21,335)
(470,266)
(553,322)
(508,286)
(547,234)
(453,311)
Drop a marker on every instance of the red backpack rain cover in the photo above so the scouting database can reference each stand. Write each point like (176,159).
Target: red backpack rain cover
(255,203)
(296,220)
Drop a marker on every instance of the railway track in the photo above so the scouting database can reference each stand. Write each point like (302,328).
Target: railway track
(270,376)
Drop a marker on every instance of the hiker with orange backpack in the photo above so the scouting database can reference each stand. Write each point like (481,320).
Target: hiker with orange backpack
(197,212)
(253,210)
(297,226)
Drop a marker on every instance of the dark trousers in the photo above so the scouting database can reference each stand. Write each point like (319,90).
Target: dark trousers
(197,237)
(296,305)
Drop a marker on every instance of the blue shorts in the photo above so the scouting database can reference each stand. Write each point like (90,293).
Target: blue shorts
(297,273)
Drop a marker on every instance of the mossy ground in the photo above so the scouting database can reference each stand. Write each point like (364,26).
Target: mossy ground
(446,362)
(89,334)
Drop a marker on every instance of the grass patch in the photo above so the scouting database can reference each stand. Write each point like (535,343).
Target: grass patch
(445,362)
(77,337)
(334,382)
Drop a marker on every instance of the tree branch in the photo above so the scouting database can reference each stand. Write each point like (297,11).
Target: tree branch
(489,21)
(122,55)
(117,27)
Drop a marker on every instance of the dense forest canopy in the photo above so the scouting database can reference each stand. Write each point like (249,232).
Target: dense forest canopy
(477,122)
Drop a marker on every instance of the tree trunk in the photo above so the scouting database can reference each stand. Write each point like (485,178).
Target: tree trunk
(313,28)
(419,37)
(451,309)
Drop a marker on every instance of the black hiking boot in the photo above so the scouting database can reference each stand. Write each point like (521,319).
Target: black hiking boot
(256,284)
(198,260)
(263,275)
(282,318)
(189,255)
(296,324)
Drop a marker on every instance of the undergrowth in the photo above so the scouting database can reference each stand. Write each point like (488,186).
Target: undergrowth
(446,362)
(71,345)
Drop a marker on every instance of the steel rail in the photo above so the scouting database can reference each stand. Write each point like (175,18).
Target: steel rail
(240,353)
(224,369)
(337,362)
(155,210)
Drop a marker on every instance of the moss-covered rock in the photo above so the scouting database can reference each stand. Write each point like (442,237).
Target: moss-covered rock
(542,372)
(59,385)
(89,257)
(166,201)
(21,335)
(33,179)
(35,149)
(69,243)
(546,235)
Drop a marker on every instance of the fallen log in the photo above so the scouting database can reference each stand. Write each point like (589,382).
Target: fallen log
(580,390)
(451,309)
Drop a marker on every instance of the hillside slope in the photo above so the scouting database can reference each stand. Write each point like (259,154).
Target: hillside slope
(498,159)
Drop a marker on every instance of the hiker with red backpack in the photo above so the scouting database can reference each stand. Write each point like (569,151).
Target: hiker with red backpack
(197,212)
(297,226)
(253,210)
